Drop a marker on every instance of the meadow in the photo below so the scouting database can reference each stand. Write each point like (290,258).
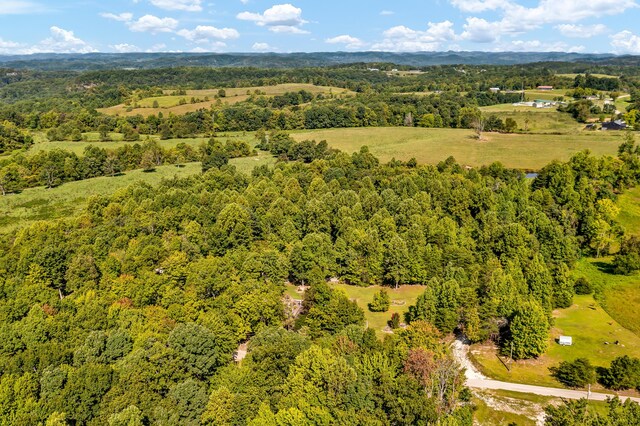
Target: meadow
(67,200)
(594,334)
(169,103)
(536,120)
(92,138)
(430,146)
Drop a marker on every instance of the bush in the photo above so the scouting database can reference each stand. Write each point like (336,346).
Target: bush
(576,374)
(624,373)
(627,260)
(394,322)
(582,286)
(381,302)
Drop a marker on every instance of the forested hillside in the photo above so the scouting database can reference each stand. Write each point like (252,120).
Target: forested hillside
(130,313)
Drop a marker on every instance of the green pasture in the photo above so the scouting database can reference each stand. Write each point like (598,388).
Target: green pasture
(430,146)
(594,334)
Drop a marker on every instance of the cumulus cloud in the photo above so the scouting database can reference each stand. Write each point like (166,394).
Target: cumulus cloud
(476,6)
(262,47)
(402,38)
(348,41)
(280,18)
(626,42)
(59,41)
(125,48)
(186,5)
(581,31)
(204,33)
(153,24)
(480,30)
(121,17)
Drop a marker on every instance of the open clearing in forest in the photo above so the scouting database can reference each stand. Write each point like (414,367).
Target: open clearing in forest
(591,328)
(401,299)
(171,103)
(70,198)
(92,138)
(536,120)
(572,76)
(430,146)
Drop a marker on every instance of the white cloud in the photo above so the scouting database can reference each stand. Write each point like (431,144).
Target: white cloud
(9,47)
(349,41)
(186,5)
(125,48)
(280,18)
(626,42)
(262,47)
(537,46)
(402,38)
(482,31)
(63,41)
(203,33)
(153,24)
(18,7)
(475,6)
(552,11)
(387,13)
(121,17)
(581,31)
(212,47)
(60,41)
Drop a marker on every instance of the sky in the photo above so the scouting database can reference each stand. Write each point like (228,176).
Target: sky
(83,26)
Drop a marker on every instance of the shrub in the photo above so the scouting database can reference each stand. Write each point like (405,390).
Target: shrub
(582,286)
(576,374)
(624,373)
(381,302)
(394,322)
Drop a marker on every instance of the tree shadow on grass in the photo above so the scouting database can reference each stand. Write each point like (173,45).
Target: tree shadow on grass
(605,267)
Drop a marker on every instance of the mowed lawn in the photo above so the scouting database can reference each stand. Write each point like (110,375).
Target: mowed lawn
(430,146)
(591,328)
(401,299)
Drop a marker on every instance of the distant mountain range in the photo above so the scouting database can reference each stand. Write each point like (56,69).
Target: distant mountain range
(101,61)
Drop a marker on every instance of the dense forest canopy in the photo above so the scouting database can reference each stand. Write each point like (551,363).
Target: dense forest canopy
(132,310)
(136,310)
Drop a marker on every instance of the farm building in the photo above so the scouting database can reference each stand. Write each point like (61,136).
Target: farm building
(543,103)
(614,125)
(494,89)
(545,87)
(565,340)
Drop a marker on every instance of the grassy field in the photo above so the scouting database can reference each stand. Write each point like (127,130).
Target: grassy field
(39,203)
(401,299)
(589,325)
(629,216)
(171,103)
(43,144)
(430,146)
(594,75)
(618,294)
(532,95)
(540,120)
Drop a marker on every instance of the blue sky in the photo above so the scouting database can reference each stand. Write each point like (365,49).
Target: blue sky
(80,26)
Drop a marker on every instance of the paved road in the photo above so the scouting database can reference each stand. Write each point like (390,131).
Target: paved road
(475,379)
